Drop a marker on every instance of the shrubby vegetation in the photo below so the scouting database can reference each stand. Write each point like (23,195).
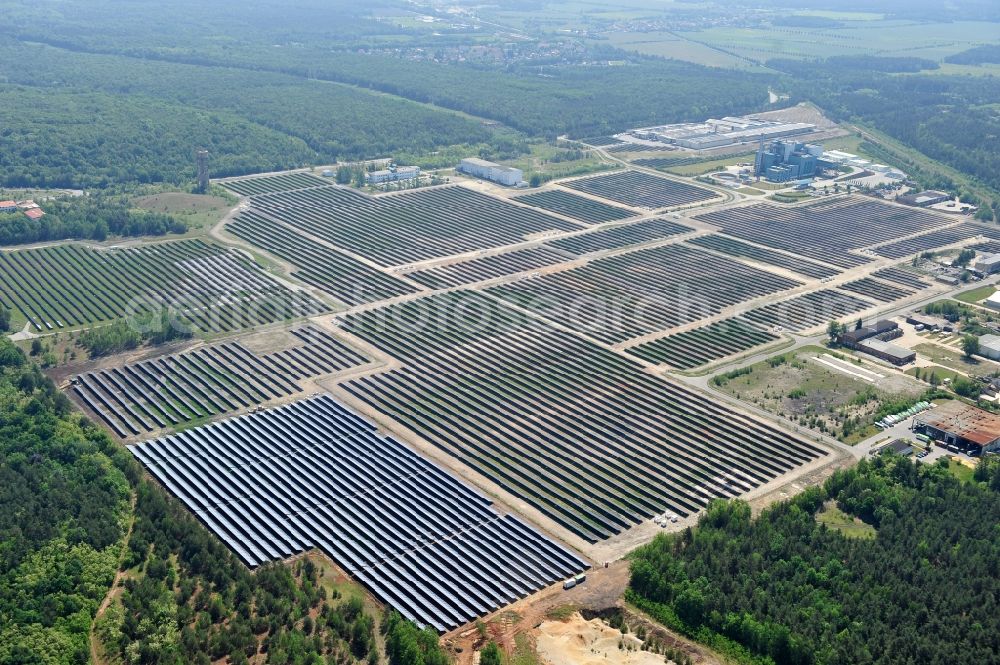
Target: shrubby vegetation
(128,334)
(783,588)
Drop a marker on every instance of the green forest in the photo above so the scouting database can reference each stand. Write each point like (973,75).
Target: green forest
(784,588)
(160,88)
(82,120)
(65,488)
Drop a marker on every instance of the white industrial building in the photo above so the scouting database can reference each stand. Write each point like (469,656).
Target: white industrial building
(987,264)
(989,346)
(480,168)
(394,174)
(714,133)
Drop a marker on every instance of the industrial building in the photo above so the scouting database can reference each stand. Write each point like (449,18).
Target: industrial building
(927,322)
(989,346)
(783,161)
(883,329)
(961,427)
(898,446)
(987,264)
(874,340)
(993,302)
(924,199)
(893,353)
(392,174)
(480,168)
(715,133)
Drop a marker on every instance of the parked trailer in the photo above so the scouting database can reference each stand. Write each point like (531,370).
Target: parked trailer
(579,579)
(569,584)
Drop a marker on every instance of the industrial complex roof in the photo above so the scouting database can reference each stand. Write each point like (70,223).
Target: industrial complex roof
(966,422)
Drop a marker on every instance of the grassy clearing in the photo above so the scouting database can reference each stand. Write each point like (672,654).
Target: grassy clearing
(199,211)
(524,652)
(942,373)
(955,360)
(334,580)
(834,518)
(961,471)
(797,386)
(562,612)
(554,161)
(976,294)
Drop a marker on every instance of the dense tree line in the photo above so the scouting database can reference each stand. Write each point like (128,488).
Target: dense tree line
(784,588)
(67,138)
(65,505)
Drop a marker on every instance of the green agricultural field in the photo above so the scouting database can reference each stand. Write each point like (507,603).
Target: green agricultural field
(889,37)
(672,45)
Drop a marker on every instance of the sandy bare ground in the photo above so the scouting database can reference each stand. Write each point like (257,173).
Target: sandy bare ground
(582,642)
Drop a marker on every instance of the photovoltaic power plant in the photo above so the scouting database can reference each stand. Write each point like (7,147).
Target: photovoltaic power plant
(583,434)
(315,474)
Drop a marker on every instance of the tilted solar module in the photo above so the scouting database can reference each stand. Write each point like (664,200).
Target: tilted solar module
(315,474)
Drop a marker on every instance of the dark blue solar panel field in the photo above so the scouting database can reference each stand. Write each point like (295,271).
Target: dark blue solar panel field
(315,474)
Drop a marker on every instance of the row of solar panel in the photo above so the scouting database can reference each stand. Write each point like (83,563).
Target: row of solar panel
(314,474)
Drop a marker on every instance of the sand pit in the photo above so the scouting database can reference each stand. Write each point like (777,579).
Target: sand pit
(582,642)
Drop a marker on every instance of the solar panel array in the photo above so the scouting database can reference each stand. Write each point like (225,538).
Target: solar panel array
(489,267)
(167,391)
(417,225)
(273,183)
(315,474)
(629,295)
(620,236)
(641,190)
(827,230)
(581,433)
